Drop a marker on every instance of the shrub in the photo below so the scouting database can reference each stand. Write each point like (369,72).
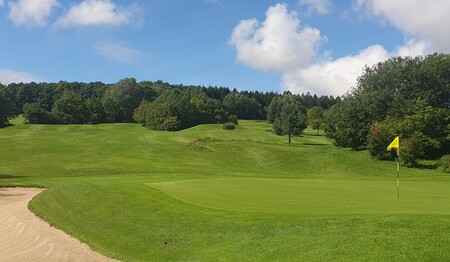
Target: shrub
(379,137)
(229,126)
(444,162)
(197,146)
(412,150)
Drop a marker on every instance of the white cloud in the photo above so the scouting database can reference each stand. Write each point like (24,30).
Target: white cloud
(427,20)
(278,44)
(336,77)
(100,12)
(333,77)
(413,47)
(31,12)
(8,77)
(319,6)
(1,2)
(118,53)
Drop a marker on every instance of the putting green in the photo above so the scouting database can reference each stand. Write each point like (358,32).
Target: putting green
(311,196)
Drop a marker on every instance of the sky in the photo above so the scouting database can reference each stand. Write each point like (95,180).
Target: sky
(316,46)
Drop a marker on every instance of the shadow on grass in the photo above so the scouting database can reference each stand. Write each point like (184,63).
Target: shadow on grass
(3,176)
(426,166)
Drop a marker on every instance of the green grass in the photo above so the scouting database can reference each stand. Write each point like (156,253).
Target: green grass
(207,194)
(322,197)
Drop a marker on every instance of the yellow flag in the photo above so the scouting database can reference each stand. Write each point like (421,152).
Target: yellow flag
(394,144)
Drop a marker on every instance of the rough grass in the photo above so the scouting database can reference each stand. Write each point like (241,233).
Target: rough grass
(141,195)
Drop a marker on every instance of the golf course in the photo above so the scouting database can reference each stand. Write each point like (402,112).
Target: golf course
(208,194)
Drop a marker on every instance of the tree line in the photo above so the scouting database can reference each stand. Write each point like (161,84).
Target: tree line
(157,105)
(403,96)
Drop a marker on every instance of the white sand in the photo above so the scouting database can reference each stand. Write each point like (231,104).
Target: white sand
(25,237)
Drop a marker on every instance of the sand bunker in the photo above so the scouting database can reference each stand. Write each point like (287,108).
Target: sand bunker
(25,237)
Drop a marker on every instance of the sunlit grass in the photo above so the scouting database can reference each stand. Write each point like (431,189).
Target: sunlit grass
(142,195)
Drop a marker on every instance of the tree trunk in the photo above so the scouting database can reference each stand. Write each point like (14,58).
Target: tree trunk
(289,138)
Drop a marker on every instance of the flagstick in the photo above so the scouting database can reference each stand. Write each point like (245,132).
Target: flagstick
(398,173)
(398,180)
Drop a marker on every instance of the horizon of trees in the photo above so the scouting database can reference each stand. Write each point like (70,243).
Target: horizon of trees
(128,100)
(402,96)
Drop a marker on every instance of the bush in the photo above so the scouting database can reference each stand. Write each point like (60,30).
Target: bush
(229,126)
(35,114)
(377,141)
(444,162)
(412,150)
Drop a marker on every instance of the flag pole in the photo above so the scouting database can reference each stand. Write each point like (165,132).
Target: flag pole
(396,144)
(398,173)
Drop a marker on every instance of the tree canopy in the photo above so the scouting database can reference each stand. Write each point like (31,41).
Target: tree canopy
(403,96)
(129,101)
(292,119)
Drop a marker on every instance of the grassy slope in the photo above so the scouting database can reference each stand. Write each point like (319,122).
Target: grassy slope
(105,185)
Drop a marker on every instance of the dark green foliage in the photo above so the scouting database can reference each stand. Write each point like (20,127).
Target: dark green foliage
(96,112)
(444,162)
(275,108)
(412,149)
(7,106)
(34,113)
(315,117)
(292,120)
(176,110)
(229,126)
(71,109)
(348,123)
(140,112)
(405,96)
(378,140)
(243,106)
(120,103)
(121,99)
(424,124)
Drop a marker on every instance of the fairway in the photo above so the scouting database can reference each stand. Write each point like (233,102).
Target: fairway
(322,197)
(139,195)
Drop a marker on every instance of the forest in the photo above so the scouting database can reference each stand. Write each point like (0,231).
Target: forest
(157,105)
(402,96)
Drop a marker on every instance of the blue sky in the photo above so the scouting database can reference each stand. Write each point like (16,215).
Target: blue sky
(317,46)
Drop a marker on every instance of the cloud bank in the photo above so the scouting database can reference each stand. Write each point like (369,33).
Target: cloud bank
(100,13)
(278,44)
(37,13)
(31,13)
(426,20)
(8,76)
(281,44)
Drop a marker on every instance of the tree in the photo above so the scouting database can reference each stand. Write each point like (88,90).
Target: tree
(292,120)
(70,109)
(412,149)
(275,108)
(392,90)
(177,109)
(348,123)
(315,117)
(96,112)
(7,106)
(34,113)
(379,137)
(121,99)
(243,106)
